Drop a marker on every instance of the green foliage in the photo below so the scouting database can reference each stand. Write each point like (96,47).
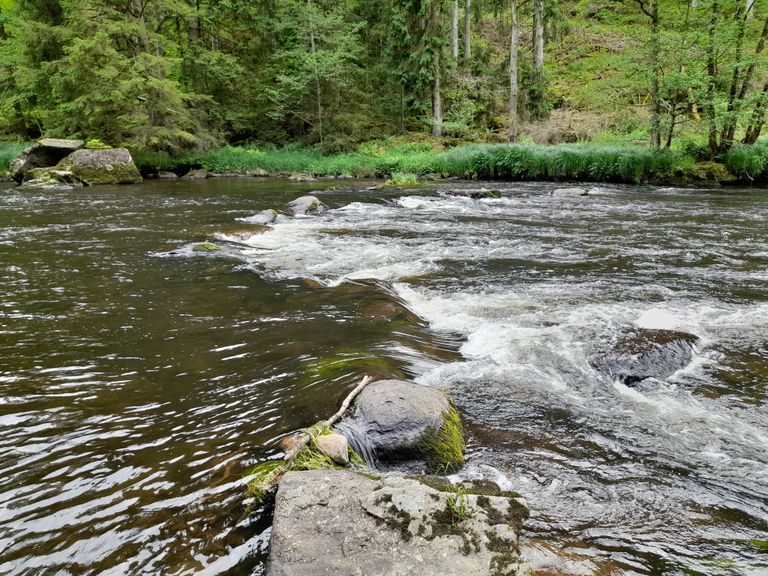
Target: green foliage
(457,503)
(8,152)
(748,162)
(96,144)
(402,179)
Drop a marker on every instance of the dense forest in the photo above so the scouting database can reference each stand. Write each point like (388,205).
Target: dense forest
(180,75)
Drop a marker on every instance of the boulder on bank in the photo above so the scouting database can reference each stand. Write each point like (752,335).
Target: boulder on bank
(335,523)
(45,153)
(400,421)
(569,192)
(643,353)
(307,205)
(93,167)
(196,175)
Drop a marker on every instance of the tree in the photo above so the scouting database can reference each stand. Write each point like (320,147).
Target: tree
(514,42)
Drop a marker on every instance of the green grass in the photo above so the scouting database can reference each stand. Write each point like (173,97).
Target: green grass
(748,162)
(9,151)
(586,162)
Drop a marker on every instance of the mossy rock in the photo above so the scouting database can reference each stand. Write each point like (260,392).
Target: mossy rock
(715,172)
(406,423)
(206,247)
(94,167)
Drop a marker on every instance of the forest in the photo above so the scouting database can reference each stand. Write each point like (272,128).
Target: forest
(189,76)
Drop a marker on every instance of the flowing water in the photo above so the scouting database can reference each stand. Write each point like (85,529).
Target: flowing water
(140,380)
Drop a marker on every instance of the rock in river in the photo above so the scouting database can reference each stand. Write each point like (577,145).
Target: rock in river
(45,153)
(400,421)
(264,217)
(307,205)
(111,166)
(335,446)
(643,353)
(569,192)
(340,523)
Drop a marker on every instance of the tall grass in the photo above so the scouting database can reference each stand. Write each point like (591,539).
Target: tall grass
(9,151)
(748,162)
(485,161)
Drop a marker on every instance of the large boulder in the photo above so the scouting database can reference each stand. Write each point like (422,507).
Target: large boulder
(111,166)
(263,218)
(45,153)
(306,205)
(644,353)
(339,523)
(395,421)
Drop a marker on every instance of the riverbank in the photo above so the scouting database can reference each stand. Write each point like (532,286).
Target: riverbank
(428,159)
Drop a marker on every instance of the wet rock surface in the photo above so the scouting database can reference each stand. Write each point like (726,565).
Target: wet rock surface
(45,153)
(337,523)
(306,205)
(398,420)
(644,353)
(264,217)
(569,192)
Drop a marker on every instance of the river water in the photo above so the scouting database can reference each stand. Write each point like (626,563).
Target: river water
(140,380)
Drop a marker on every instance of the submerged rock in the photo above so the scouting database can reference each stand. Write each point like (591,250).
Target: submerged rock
(476,194)
(338,523)
(111,166)
(44,154)
(307,205)
(402,421)
(264,217)
(569,192)
(644,353)
(335,446)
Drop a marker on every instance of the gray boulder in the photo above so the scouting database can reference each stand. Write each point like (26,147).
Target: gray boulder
(263,218)
(340,523)
(165,175)
(44,154)
(643,353)
(111,166)
(569,192)
(402,422)
(307,205)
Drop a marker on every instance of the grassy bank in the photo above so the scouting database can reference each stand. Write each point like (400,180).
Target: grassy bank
(587,162)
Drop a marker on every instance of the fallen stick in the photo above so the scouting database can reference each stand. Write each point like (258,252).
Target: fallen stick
(300,441)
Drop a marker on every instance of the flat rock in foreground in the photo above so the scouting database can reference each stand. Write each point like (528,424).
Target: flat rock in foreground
(341,523)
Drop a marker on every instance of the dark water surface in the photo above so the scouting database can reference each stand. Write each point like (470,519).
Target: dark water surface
(140,380)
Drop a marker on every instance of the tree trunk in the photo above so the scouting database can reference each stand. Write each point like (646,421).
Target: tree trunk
(757,120)
(513,85)
(455,30)
(538,40)
(318,92)
(749,6)
(729,126)
(712,74)
(437,102)
(468,31)
(747,80)
(656,63)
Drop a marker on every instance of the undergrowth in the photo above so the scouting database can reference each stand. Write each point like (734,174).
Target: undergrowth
(405,163)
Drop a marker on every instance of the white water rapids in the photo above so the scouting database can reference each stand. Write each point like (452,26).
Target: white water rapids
(662,478)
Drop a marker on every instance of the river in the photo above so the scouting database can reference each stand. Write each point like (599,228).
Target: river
(140,380)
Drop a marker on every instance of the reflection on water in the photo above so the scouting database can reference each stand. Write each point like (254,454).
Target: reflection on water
(140,380)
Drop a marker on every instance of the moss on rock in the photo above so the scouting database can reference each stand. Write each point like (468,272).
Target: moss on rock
(443,448)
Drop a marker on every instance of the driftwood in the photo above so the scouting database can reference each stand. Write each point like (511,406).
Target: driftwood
(294,445)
